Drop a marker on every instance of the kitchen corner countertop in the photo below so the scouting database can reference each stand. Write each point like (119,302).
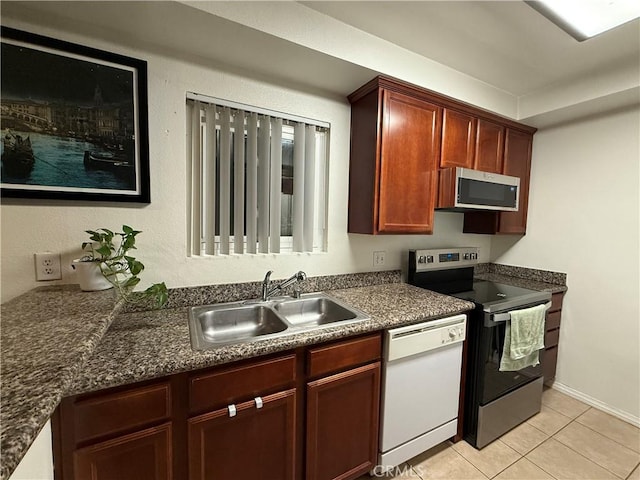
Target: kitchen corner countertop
(47,336)
(145,345)
(59,341)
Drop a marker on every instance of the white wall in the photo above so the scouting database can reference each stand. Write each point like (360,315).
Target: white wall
(37,464)
(584,220)
(29,227)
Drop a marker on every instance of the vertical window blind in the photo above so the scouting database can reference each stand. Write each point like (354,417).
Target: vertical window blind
(257,179)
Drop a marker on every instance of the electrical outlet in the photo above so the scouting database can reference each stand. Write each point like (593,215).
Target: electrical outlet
(378,259)
(47,266)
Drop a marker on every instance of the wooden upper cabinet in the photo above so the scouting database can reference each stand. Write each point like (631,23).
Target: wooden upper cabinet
(404,138)
(517,163)
(395,150)
(489,149)
(408,164)
(458,139)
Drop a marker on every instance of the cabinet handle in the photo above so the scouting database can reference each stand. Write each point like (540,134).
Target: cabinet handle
(232,410)
(258,401)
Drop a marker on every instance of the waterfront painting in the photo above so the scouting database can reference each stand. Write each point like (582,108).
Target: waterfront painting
(73,121)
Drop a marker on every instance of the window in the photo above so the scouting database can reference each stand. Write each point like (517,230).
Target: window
(258,179)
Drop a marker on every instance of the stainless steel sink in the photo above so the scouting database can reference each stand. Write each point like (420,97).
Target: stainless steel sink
(224,324)
(214,326)
(313,311)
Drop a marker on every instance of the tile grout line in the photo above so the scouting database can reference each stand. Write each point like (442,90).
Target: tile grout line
(541,431)
(546,439)
(607,436)
(560,413)
(582,455)
(629,476)
(541,468)
(468,461)
(493,476)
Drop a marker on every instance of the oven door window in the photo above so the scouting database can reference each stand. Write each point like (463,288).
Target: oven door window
(497,383)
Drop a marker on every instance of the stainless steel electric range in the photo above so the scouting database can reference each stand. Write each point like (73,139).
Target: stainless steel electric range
(495,401)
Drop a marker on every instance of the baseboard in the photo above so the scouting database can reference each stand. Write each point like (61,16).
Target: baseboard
(622,415)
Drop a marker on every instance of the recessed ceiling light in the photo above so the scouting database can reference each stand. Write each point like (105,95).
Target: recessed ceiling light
(583,19)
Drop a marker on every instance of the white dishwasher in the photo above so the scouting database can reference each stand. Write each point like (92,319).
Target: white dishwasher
(421,387)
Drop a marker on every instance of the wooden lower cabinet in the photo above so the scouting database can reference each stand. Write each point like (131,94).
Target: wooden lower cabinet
(342,424)
(313,409)
(144,455)
(256,443)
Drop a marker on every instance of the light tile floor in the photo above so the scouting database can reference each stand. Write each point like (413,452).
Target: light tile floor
(566,440)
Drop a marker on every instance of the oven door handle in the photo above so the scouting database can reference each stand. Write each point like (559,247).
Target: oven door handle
(504,317)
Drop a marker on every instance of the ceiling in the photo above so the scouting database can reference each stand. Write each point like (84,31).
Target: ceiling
(499,55)
(506,44)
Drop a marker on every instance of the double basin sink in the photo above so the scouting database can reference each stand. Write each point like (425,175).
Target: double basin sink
(214,326)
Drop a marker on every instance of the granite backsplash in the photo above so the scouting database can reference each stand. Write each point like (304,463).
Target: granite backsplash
(233,292)
(525,273)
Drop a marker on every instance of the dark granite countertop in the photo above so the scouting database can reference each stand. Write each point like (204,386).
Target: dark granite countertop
(46,337)
(144,345)
(59,341)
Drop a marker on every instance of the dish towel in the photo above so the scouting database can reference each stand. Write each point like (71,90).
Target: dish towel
(523,338)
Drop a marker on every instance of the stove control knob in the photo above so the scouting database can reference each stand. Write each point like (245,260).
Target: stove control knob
(422,259)
(452,334)
(474,256)
(429,258)
(465,256)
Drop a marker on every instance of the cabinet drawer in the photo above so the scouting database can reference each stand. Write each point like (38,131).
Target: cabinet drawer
(556,301)
(121,411)
(551,337)
(209,391)
(553,320)
(342,355)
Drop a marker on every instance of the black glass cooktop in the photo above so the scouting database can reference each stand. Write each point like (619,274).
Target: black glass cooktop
(497,296)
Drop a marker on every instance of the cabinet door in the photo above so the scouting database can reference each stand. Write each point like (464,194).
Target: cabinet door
(255,444)
(342,423)
(409,156)
(458,139)
(144,455)
(489,147)
(517,163)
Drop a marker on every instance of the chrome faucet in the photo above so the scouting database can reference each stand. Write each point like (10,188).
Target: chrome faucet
(266,284)
(268,290)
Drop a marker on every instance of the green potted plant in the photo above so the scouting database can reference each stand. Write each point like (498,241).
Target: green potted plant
(108,263)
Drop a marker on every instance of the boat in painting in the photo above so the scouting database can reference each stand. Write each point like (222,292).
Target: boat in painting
(117,163)
(17,156)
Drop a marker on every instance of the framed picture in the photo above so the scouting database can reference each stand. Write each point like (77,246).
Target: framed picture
(73,121)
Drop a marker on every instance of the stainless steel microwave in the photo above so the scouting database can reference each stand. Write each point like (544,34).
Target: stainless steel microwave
(476,190)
